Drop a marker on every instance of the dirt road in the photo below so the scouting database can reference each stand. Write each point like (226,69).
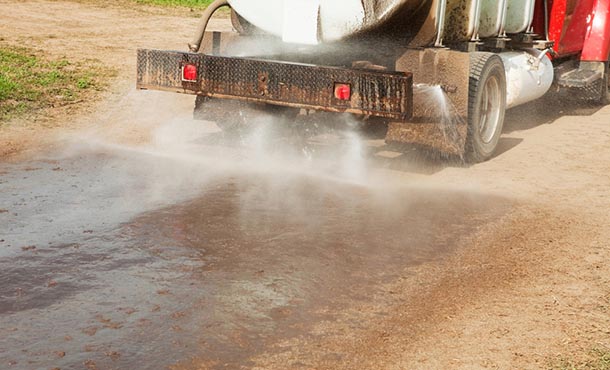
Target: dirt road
(134,237)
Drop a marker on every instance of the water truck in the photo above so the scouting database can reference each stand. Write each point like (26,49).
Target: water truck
(404,63)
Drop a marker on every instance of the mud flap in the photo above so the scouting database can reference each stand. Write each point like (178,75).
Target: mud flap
(440,101)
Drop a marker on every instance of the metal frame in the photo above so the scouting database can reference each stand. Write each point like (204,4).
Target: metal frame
(374,93)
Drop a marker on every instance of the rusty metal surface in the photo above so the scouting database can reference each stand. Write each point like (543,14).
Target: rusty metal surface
(460,21)
(374,93)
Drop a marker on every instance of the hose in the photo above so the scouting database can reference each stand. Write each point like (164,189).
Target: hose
(203,24)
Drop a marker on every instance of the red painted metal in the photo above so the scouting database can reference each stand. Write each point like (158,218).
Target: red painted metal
(557,16)
(579,26)
(568,25)
(576,27)
(597,42)
(538,23)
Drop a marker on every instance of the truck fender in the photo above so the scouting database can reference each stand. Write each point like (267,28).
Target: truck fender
(597,42)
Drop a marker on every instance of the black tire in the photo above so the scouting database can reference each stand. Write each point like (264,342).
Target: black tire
(486,106)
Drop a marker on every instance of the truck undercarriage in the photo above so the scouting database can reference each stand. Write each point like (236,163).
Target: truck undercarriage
(473,80)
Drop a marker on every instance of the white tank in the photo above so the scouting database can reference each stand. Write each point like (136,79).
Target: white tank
(313,21)
(529,75)
(417,22)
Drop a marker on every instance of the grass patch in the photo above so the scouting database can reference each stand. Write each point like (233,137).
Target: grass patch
(29,82)
(598,359)
(195,4)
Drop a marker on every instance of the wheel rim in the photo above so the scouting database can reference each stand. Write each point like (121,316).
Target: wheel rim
(490,109)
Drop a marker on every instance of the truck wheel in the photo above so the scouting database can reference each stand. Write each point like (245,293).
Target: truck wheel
(486,105)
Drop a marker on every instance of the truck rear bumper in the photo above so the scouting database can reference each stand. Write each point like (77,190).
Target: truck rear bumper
(373,93)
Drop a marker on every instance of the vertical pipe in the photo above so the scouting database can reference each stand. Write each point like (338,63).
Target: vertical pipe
(476,19)
(441,9)
(504,10)
(546,20)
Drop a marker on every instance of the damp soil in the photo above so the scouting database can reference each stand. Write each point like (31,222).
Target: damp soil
(112,261)
(93,271)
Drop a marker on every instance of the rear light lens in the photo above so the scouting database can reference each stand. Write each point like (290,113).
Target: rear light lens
(343,91)
(189,73)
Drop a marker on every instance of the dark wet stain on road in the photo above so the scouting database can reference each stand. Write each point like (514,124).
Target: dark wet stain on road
(96,272)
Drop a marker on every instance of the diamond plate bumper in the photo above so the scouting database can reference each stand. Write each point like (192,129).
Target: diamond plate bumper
(374,93)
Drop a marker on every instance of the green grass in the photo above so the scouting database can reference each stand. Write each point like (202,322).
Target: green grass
(29,82)
(598,359)
(185,3)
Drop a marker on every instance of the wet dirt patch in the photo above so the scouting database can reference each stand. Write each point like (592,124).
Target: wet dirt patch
(219,272)
(278,258)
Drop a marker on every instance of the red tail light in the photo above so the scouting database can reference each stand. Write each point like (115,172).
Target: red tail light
(343,91)
(189,73)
